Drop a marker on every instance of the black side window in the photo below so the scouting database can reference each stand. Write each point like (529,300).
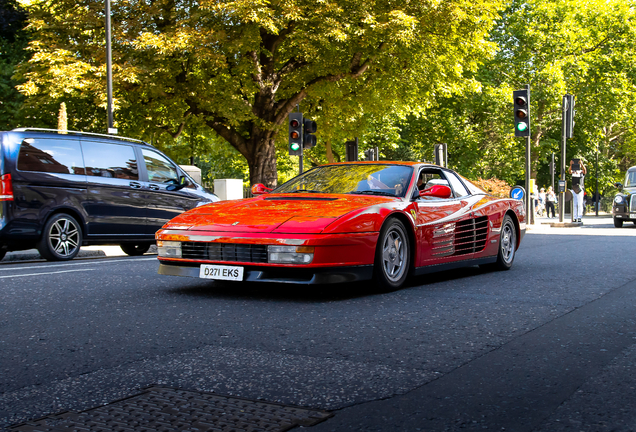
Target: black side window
(456,185)
(160,169)
(110,160)
(61,156)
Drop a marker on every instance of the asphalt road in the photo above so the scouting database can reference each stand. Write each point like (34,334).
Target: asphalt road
(546,346)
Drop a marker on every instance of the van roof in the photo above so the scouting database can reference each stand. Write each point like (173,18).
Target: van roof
(68,132)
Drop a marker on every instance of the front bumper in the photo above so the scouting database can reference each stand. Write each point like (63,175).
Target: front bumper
(621,211)
(302,276)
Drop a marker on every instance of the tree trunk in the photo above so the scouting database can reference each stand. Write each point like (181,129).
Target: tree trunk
(262,161)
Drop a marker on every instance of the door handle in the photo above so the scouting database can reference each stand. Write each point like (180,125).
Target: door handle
(153,187)
(135,185)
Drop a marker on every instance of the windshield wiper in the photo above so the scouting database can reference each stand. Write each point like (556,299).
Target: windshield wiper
(373,192)
(304,190)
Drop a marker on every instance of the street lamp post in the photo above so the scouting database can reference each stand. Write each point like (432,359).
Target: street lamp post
(109,72)
(597,197)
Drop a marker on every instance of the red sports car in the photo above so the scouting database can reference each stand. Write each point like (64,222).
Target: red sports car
(343,222)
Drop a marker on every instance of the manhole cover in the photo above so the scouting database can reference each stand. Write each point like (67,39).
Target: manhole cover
(160,409)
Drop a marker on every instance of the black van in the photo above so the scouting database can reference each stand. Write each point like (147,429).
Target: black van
(60,190)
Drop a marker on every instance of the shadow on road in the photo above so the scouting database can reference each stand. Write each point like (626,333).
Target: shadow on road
(311,293)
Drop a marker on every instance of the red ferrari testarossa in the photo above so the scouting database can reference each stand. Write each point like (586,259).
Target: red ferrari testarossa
(343,222)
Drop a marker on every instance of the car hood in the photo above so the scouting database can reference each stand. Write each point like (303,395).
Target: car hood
(628,191)
(281,213)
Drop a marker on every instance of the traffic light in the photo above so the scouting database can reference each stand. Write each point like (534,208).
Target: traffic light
(521,99)
(309,139)
(569,115)
(296,134)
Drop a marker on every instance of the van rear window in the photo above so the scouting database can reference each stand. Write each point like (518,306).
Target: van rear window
(51,156)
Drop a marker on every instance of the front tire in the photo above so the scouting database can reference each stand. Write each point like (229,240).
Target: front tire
(61,239)
(392,256)
(618,223)
(507,244)
(135,249)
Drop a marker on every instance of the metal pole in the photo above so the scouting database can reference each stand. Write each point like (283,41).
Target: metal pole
(563,143)
(597,196)
(529,209)
(553,169)
(109,71)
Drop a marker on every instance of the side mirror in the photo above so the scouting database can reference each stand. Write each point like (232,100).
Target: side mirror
(260,189)
(183,182)
(437,191)
(619,186)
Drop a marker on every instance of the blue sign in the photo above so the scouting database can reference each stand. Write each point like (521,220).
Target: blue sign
(517,193)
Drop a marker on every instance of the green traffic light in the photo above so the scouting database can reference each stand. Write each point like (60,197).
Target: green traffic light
(295,146)
(522,126)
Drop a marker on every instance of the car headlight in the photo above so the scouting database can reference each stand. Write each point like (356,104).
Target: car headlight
(619,199)
(169,249)
(290,254)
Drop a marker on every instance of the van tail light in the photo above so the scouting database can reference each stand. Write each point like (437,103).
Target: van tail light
(6,188)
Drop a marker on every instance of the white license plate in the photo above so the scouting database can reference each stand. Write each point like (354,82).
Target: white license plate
(632,216)
(218,272)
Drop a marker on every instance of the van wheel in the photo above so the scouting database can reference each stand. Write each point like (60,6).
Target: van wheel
(618,223)
(3,252)
(61,239)
(135,249)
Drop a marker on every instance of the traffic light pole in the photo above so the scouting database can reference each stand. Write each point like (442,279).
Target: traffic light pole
(529,209)
(563,143)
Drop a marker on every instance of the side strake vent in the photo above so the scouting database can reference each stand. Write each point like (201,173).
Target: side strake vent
(470,235)
(460,238)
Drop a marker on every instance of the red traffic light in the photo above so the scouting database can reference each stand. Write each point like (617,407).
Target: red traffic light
(294,123)
(520,101)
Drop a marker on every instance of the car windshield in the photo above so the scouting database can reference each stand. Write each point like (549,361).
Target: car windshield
(371,179)
(630,179)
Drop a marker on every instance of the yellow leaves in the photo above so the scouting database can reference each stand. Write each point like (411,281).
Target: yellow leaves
(64,75)
(271,15)
(163,43)
(405,25)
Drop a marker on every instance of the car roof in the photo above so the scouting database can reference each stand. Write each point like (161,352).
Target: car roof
(44,131)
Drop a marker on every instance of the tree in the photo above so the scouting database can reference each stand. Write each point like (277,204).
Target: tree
(13,40)
(582,47)
(240,67)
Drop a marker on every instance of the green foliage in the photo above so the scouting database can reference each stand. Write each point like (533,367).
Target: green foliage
(239,67)
(214,80)
(13,41)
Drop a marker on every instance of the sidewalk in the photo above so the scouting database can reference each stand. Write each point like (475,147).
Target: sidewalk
(85,252)
(602,220)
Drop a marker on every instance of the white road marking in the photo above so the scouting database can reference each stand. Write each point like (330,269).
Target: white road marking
(76,264)
(47,273)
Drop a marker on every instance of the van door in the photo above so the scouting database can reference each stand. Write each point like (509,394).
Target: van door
(115,204)
(165,204)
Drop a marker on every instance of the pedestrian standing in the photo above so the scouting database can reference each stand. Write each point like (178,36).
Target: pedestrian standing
(550,199)
(578,171)
(542,203)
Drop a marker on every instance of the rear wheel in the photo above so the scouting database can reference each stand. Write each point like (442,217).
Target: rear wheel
(392,256)
(507,244)
(618,223)
(3,252)
(61,239)
(134,249)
